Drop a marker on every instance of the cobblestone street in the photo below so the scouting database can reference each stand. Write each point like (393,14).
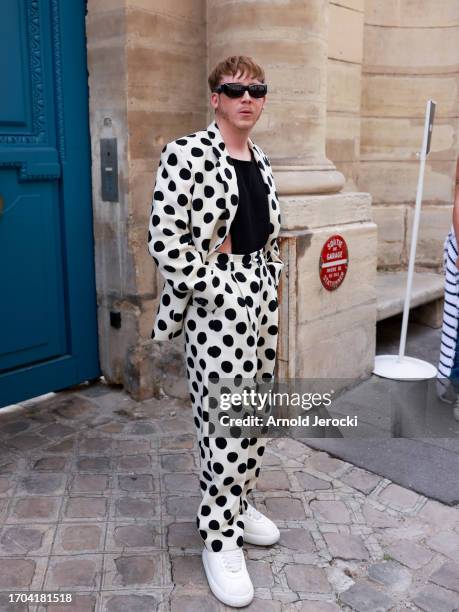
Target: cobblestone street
(98,495)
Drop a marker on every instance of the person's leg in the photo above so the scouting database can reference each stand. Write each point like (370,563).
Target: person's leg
(267,312)
(219,345)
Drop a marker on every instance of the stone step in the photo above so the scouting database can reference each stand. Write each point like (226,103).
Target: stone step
(391,287)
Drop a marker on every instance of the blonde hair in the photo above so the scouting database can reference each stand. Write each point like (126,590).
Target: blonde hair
(231,66)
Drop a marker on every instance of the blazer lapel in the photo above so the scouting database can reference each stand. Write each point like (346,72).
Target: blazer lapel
(226,174)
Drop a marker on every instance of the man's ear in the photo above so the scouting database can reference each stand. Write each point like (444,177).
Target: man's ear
(215,99)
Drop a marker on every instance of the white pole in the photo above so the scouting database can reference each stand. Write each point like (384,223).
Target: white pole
(414,235)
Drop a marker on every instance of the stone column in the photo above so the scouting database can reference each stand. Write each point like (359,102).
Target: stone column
(290,41)
(411,54)
(322,333)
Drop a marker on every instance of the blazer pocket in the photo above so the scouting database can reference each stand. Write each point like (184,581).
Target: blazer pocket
(207,295)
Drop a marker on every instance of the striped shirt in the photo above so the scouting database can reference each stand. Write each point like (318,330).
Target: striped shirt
(449,331)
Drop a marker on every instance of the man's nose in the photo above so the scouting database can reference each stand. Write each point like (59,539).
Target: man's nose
(246,95)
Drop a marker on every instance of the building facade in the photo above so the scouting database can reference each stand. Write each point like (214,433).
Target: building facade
(348,86)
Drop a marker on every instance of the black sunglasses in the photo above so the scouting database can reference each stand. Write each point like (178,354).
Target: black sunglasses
(237,90)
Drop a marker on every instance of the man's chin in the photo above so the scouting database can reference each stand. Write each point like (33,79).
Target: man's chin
(245,123)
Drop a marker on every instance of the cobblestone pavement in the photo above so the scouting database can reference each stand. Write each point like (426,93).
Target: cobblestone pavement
(98,495)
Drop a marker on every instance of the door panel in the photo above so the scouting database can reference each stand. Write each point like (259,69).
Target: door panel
(48,324)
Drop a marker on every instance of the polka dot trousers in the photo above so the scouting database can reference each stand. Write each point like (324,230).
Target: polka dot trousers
(235,340)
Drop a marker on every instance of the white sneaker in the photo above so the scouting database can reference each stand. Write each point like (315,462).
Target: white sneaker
(228,577)
(258,528)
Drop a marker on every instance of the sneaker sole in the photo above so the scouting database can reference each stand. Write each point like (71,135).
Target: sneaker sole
(260,540)
(231,600)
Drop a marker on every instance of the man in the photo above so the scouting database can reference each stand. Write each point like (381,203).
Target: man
(213,233)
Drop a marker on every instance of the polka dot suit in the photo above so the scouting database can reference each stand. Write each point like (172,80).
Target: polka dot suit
(225,304)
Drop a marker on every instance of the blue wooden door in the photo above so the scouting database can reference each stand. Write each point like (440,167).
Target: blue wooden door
(48,325)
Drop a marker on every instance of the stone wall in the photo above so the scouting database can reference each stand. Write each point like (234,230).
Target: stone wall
(147,78)
(106,48)
(349,80)
(344,86)
(410,54)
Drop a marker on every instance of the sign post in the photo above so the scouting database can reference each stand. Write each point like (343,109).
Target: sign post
(401,367)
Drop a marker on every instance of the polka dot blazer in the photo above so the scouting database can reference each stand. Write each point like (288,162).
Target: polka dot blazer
(195,199)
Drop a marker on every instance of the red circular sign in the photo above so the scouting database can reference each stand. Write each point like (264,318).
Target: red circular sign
(333,262)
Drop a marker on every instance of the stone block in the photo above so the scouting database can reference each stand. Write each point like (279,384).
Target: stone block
(297,539)
(311,483)
(93,464)
(133,571)
(446,543)
(403,50)
(362,598)
(391,575)
(433,228)
(307,578)
(345,546)
(430,314)
(411,14)
(447,576)
(182,483)
(17,573)
(141,535)
(362,480)
(137,482)
(391,100)
(188,571)
(261,573)
(50,464)
(89,483)
(391,222)
(347,48)
(343,96)
(409,553)
(395,182)
(72,572)
(42,484)
(75,539)
(35,509)
(133,463)
(343,135)
(136,508)
(184,507)
(26,540)
(436,599)
(285,508)
(330,511)
(398,497)
(273,480)
(319,344)
(184,535)
(178,462)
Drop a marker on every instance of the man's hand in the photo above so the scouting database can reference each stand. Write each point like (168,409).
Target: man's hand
(226,246)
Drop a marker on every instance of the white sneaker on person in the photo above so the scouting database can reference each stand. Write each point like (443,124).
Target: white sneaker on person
(228,577)
(258,528)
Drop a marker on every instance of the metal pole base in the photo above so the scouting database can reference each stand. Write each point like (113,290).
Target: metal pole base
(407,368)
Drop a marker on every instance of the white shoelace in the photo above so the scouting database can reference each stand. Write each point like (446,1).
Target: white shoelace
(232,559)
(253,513)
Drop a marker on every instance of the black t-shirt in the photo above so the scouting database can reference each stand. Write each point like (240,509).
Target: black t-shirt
(250,227)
